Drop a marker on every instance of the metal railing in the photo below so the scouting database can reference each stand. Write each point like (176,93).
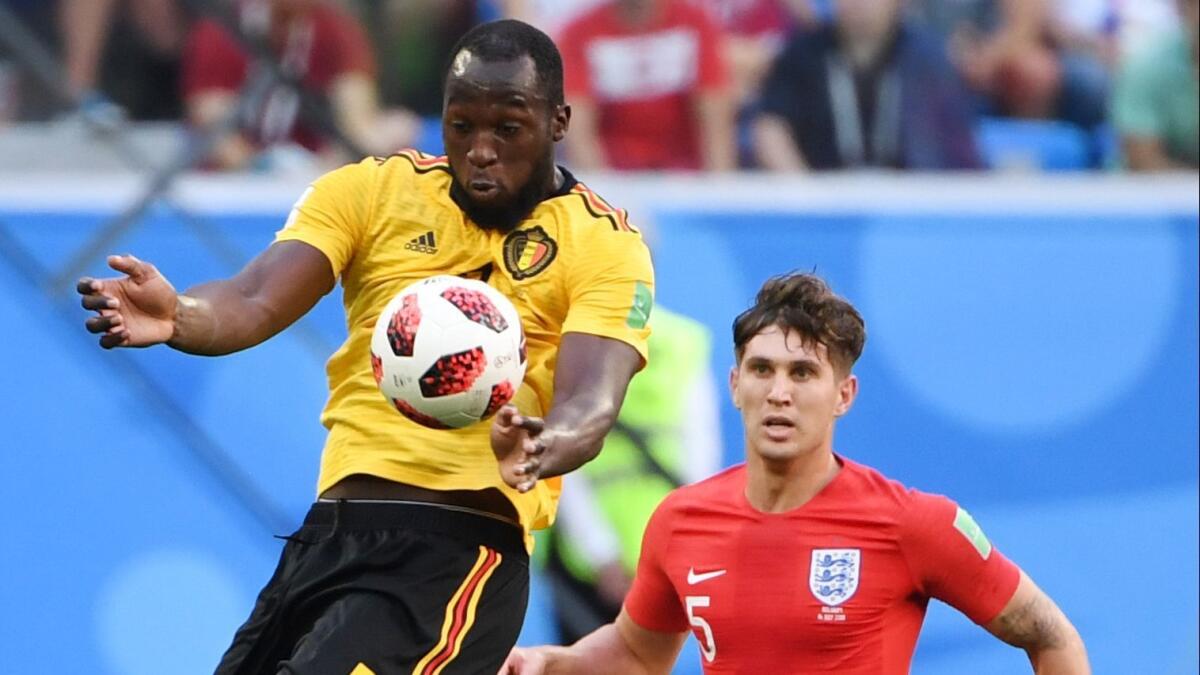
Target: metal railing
(56,284)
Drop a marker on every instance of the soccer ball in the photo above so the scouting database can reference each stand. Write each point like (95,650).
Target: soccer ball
(448,352)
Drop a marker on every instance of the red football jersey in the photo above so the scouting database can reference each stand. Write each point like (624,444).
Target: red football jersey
(839,584)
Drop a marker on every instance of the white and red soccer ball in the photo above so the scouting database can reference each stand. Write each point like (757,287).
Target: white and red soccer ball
(448,352)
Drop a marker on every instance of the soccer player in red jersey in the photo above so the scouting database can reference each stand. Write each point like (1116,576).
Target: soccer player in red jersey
(800,560)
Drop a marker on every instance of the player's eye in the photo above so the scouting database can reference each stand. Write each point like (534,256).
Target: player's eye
(509,129)
(459,126)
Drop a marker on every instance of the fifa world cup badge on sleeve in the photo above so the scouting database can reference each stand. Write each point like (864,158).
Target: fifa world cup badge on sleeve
(967,527)
(639,311)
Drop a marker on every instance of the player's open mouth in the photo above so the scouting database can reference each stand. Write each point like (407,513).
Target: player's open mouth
(778,427)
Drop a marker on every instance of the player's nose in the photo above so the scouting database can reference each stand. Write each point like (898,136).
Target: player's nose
(779,393)
(482,152)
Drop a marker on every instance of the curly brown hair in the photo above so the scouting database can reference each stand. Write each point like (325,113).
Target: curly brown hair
(804,303)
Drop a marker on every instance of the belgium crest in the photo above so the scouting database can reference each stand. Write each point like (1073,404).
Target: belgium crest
(528,252)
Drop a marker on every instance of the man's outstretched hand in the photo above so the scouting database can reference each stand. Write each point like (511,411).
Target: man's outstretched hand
(523,662)
(135,310)
(519,442)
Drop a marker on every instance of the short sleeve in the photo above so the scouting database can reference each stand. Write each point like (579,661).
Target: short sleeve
(1134,108)
(952,560)
(713,69)
(612,288)
(333,213)
(652,602)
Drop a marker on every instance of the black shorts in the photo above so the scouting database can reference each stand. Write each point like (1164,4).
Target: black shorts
(380,587)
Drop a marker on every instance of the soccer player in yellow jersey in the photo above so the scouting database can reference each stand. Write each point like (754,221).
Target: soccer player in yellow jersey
(414,558)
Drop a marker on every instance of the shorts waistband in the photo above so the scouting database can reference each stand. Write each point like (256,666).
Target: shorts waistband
(465,526)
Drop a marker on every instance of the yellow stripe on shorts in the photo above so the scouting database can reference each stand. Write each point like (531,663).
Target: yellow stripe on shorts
(460,614)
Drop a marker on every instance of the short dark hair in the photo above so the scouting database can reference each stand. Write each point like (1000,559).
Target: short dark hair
(804,303)
(509,39)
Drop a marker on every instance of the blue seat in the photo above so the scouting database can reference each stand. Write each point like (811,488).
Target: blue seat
(429,137)
(1034,144)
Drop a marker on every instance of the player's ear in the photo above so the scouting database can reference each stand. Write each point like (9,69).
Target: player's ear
(560,122)
(847,392)
(733,386)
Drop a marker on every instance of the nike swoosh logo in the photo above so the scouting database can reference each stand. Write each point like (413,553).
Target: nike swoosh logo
(693,578)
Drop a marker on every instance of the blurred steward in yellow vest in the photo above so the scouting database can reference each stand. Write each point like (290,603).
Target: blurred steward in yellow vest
(667,434)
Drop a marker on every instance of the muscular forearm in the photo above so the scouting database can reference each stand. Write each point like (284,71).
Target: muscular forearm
(214,319)
(565,661)
(1034,623)
(1060,651)
(576,429)
(1068,657)
(602,652)
(274,290)
(590,379)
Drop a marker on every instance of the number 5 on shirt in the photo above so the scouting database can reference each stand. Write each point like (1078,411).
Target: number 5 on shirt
(708,646)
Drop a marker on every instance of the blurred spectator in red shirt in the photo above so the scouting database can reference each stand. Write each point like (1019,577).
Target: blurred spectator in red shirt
(316,43)
(870,90)
(649,88)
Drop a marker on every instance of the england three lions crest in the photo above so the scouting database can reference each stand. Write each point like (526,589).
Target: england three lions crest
(833,575)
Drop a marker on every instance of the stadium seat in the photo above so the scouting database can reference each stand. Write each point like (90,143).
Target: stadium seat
(1034,144)
(1108,146)
(429,137)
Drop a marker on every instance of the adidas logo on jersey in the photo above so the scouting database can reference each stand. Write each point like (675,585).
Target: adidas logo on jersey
(423,244)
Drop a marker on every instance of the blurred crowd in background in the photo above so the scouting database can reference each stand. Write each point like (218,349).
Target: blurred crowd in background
(654,85)
(691,85)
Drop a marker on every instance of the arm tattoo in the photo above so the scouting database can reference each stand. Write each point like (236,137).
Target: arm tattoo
(1037,624)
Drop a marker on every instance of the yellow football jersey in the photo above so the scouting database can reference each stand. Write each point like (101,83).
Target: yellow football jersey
(574,265)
